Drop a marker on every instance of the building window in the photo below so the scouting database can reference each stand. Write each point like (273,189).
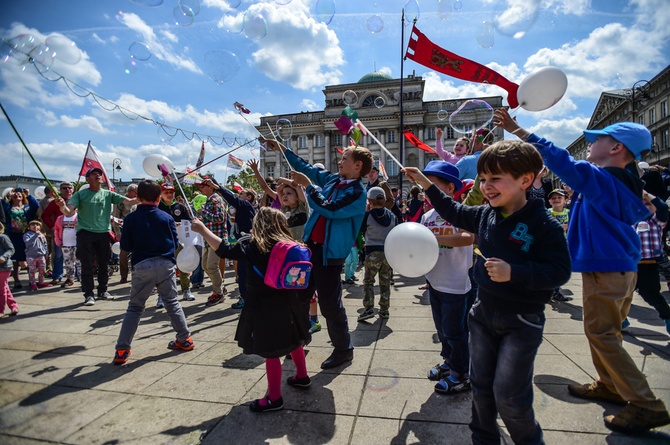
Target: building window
(640,119)
(318,141)
(665,140)
(412,160)
(664,109)
(391,167)
(652,116)
(285,169)
(337,139)
(270,170)
(450,133)
(373,101)
(429,134)
(390,136)
(302,141)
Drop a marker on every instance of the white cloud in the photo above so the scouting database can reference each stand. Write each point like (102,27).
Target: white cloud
(561,132)
(309,104)
(49,119)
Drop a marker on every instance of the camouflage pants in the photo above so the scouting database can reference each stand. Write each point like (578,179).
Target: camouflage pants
(375,262)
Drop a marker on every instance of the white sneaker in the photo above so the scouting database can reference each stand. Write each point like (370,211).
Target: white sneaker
(188,295)
(89,301)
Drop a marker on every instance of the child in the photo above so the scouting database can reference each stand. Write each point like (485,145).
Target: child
(558,200)
(651,237)
(526,258)
(6,252)
(272,322)
(378,222)
(37,250)
(65,237)
(337,213)
(606,249)
(448,286)
(150,235)
(461,147)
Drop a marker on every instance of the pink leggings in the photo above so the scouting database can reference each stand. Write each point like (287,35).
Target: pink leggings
(274,373)
(6,297)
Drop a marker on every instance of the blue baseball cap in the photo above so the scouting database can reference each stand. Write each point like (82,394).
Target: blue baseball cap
(444,170)
(635,137)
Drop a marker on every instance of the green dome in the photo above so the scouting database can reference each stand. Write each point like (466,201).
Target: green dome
(375,77)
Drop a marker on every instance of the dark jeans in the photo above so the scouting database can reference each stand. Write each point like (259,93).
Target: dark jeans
(93,247)
(326,281)
(449,315)
(503,349)
(649,287)
(242,277)
(198,274)
(57,255)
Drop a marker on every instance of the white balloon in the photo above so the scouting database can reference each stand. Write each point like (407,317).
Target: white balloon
(116,248)
(39,192)
(84,187)
(6,191)
(411,249)
(188,259)
(542,89)
(152,162)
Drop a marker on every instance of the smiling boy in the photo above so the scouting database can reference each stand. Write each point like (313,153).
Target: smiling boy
(526,258)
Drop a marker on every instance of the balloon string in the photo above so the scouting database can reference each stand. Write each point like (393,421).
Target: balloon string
(363,127)
(29,153)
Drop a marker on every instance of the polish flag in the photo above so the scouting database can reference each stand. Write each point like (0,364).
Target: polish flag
(237,187)
(91,160)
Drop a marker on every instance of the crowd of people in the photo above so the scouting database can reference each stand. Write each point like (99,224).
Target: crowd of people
(508,240)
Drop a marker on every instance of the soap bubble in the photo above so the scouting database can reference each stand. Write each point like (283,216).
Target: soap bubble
(379,102)
(375,24)
(444,9)
(22,45)
(324,11)
(284,129)
(233,23)
(412,10)
(233,3)
(221,65)
(139,51)
(458,4)
(282,2)
(183,17)
(513,18)
(349,97)
(255,27)
(150,3)
(471,116)
(42,55)
(63,49)
(485,35)
(130,67)
(192,6)
(442,115)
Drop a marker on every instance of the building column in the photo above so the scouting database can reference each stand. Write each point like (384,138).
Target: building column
(326,151)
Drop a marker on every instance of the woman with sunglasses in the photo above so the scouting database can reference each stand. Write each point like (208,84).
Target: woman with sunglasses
(20,207)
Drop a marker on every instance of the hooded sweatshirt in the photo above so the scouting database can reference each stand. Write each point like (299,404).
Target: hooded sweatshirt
(376,225)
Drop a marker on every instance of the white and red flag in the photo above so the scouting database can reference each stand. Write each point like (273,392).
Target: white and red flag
(91,160)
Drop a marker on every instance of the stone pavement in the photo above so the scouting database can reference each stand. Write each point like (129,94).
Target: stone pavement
(58,385)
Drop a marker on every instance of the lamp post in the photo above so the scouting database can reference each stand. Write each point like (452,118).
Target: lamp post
(116,166)
(641,90)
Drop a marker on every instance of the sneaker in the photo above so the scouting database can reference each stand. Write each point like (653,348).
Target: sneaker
(559,297)
(384,315)
(595,391)
(314,327)
(67,283)
(105,296)
(348,281)
(185,345)
(256,407)
(238,305)
(43,285)
(121,356)
(368,313)
(214,299)
(55,281)
(438,372)
(89,300)
(636,420)
(451,385)
(299,383)
(33,287)
(625,323)
(188,295)
(159,303)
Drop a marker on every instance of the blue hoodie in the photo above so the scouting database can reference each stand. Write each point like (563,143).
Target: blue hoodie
(607,203)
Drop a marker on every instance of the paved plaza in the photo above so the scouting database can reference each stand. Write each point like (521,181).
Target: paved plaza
(58,383)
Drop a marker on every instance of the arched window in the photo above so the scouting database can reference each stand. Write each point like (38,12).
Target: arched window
(412,160)
(370,100)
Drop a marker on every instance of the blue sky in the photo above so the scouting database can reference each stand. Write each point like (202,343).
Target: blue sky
(286,56)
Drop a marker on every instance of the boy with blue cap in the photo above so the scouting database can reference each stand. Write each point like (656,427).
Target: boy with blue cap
(606,249)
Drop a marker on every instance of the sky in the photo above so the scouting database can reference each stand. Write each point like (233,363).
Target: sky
(172,66)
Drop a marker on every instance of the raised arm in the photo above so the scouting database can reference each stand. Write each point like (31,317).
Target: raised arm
(253,164)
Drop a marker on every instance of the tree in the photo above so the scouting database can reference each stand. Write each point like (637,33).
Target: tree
(245,178)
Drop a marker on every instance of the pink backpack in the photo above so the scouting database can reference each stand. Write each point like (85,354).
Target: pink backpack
(289,266)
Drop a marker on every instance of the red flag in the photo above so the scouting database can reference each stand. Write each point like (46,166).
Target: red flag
(417,142)
(237,187)
(201,158)
(339,150)
(91,160)
(432,56)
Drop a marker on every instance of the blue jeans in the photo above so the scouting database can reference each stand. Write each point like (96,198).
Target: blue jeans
(503,349)
(57,271)
(198,274)
(160,273)
(449,314)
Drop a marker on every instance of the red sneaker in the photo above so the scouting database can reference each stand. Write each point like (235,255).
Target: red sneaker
(43,285)
(121,356)
(185,345)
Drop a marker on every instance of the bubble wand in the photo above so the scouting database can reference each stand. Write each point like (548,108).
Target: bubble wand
(168,174)
(29,153)
(365,130)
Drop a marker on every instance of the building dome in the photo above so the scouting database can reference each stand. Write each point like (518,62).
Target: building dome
(375,77)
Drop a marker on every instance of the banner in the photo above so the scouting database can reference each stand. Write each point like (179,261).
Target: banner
(91,160)
(201,157)
(428,54)
(382,170)
(234,162)
(191,177)
(417,142)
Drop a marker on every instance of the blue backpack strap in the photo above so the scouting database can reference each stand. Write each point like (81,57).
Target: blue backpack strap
(258,272)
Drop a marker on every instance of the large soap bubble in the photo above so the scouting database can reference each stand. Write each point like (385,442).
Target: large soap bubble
(284,129)
(139,51)
(471,116)
(63,49)
(183,16)
(514,18)
(255,26)
(412,10)
(375,24)
(485,35)
(221,65)
(444,9)
(349,97)
(324,10)
(411,249)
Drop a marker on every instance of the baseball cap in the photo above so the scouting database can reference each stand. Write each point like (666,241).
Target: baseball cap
(167,186)
(558,192)
(376,192)
(444,170)
(92,170)
(635,137)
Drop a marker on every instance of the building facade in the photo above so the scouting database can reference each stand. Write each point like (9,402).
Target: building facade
(646,102)
(315,138)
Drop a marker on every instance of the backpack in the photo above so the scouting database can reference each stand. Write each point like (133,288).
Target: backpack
(289,266)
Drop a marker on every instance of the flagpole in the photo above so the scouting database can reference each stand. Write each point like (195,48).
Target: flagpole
(29,153)
(219,157)
(401,143)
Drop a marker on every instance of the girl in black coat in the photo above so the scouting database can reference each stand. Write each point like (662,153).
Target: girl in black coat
(273,321)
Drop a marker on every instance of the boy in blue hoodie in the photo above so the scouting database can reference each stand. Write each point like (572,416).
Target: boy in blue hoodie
(337,213)
(606,249)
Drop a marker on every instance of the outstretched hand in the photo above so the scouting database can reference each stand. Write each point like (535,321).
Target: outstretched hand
(300,179)
(415,175)
(502,119)
(271,144)
(253,164)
